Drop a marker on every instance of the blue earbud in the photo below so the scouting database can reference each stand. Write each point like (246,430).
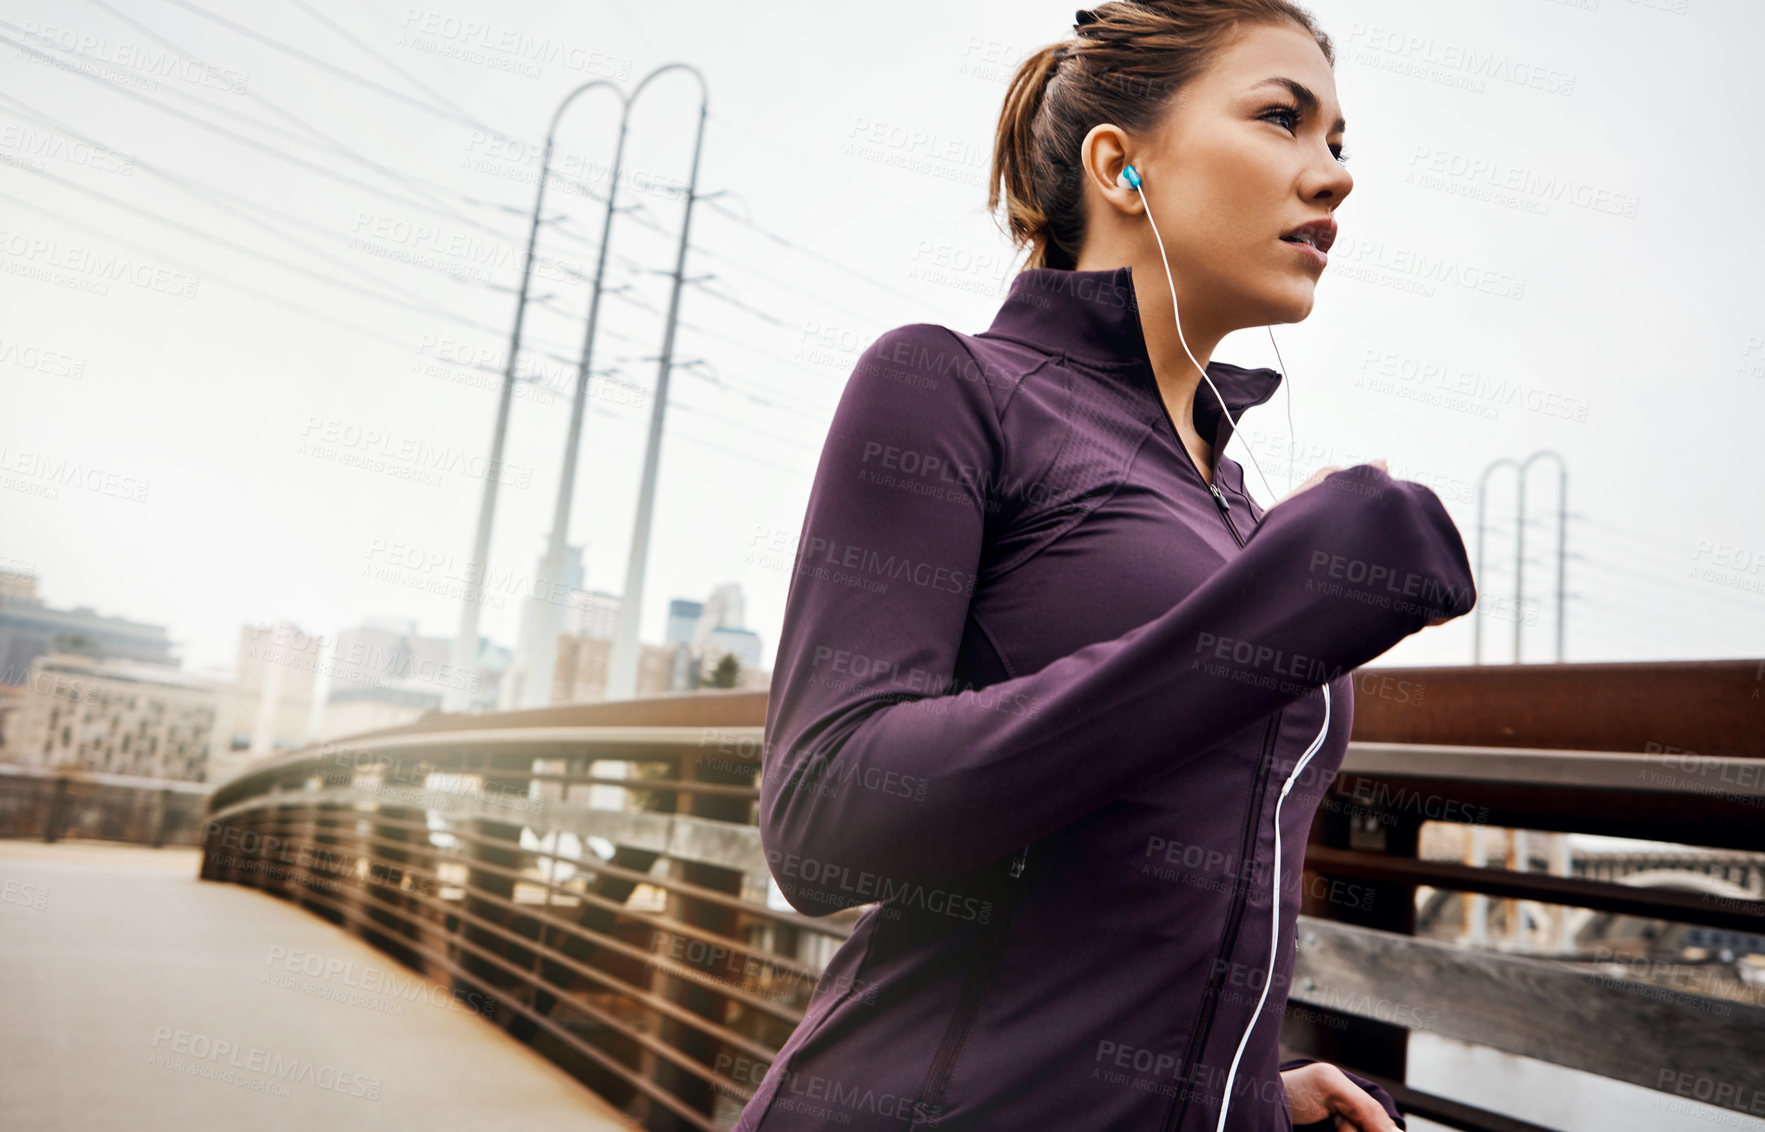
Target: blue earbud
(1131,176)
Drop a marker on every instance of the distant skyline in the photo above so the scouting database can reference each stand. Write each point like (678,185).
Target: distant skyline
(250,367)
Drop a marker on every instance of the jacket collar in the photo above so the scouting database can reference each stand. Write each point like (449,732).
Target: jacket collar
(1093,318)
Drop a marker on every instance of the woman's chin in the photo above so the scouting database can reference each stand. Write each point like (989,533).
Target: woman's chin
(1292,304)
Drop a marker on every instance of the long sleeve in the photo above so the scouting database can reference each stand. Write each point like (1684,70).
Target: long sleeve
(868,768)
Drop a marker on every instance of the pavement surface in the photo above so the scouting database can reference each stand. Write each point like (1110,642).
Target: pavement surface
(135,997)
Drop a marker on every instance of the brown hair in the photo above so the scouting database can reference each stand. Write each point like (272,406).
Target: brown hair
(1125,63)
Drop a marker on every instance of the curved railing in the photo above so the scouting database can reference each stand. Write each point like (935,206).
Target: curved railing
(592,877)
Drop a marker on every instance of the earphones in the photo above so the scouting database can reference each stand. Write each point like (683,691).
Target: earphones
(1131,178)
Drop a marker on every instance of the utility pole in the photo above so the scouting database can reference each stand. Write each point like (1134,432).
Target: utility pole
(546,615)
(622,668)
(1520,550)
(465,650)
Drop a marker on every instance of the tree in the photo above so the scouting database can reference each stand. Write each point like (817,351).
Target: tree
(727,674)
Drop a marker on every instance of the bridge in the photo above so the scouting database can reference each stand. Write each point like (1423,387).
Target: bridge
(564,915)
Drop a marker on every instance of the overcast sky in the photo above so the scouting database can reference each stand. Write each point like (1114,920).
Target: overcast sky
(1561,197)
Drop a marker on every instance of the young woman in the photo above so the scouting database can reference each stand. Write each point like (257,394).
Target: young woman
(1054,693)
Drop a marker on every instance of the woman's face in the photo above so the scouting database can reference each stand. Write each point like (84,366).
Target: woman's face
(1239,161)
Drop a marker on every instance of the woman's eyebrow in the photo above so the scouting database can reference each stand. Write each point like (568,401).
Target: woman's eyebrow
(1308,101)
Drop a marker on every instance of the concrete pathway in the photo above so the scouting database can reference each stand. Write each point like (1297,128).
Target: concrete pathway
(134,997)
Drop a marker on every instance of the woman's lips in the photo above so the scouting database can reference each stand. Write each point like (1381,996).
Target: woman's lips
(1308,251)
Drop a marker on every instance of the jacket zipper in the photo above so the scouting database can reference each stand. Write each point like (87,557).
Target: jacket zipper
(929,1107)
(1241,890)
(1228,942)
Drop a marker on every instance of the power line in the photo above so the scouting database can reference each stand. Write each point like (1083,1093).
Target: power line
(252,143)
(786,242)
(344,73)
(673,404)
(1640,592)
(369,49)
(419,185)
(420,307)
(300,139)
(411,180)
(206,192)
(277,300)
(673,433)
(337,145)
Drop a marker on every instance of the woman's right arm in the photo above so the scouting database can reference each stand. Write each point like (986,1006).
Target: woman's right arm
(872,777)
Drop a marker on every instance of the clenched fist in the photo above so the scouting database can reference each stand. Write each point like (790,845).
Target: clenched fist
(1317,477)
(1320,1090)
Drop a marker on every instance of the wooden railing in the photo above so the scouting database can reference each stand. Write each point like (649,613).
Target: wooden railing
(595,872)
(52,805)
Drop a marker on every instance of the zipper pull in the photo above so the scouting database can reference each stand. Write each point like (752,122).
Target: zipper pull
(1225,507)
(1018,862)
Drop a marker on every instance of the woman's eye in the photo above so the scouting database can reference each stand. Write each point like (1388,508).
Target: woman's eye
(1291,115)
(1288,112)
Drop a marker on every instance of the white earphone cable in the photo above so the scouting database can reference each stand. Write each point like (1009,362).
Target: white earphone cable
(1159,240)
(1318,741)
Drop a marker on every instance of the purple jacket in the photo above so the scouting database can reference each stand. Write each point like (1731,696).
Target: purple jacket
(1038,692)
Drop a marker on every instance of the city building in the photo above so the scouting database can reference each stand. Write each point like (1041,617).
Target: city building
(581,672)
(30,628)
(120,717)
(699,634)
(384,673)
(274,675)
(743,644)
(593,613)
(683,620)
(724,609)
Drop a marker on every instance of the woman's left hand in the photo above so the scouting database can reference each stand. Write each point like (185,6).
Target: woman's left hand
(1320,1090)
